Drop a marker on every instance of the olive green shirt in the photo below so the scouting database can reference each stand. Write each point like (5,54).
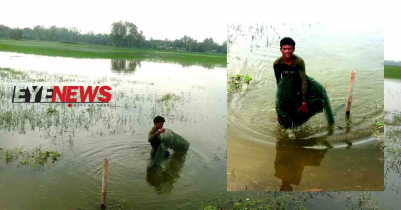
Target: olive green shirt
(153,138)
(281,69)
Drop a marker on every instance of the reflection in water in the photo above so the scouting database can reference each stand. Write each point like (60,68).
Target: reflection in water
(163,179)
(124,66)
(347,130)
(291,159)
(293,155)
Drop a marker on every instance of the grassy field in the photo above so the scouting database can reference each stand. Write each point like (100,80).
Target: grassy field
(393,72)
(110,52)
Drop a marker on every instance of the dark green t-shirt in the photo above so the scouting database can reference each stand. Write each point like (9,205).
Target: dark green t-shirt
(154,139)
(281,69)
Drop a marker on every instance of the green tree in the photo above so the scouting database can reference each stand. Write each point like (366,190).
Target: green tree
(118,33)
(132,34)
(51,33)
(39,31)
(74,34)
(16,34)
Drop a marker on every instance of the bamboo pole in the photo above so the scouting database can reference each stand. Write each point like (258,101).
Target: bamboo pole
(350,88)
(104,184)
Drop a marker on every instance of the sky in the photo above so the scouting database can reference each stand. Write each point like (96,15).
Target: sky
(173,19)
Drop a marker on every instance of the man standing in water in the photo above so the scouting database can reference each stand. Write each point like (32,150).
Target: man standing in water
(298,96)
(289,64)
(153,136)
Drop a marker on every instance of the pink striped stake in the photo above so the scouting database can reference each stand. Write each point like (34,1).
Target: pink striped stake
(350,88)
(104,185)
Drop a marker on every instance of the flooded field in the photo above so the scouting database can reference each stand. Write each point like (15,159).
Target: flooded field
(192,99)
(346,156)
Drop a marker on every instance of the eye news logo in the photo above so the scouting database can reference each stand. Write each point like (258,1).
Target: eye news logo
(64,94)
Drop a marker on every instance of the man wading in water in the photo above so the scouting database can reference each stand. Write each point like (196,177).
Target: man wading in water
(299,97)
(153,136)
(289,64)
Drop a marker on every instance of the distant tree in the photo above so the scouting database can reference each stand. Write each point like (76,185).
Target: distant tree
(27,33)
(91,37)
(223,48)
(74,34)
(39,31)
(62,34)
(4,31)
(140,40)
(132,34)
(208,44)
(16,34)
(118,33)
(51,33)
(392,63)
(122,34)
(193,45)
(188,42)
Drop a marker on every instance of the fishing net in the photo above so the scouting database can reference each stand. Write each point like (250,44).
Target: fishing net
(169,140)
(289,100)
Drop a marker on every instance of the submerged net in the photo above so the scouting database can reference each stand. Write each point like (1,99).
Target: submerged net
(169,140)
(289,100)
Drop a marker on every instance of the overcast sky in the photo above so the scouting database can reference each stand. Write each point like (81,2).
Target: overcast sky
(173,19)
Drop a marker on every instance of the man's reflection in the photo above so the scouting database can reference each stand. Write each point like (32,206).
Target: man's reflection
(291,159)
(163,179)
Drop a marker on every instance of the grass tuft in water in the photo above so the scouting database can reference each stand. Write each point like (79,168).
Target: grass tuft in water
(33,158)
(235,83)
(51,111)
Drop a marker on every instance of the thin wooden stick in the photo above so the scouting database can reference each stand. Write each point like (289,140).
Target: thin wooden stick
(104,184)
(350,88)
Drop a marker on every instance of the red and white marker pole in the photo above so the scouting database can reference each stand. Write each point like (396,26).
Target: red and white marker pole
(349,98)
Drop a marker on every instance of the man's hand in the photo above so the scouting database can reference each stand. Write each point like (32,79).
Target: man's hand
(161,131)
(303,109)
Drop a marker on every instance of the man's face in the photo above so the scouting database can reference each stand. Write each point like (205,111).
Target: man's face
(287,51)
(159,125)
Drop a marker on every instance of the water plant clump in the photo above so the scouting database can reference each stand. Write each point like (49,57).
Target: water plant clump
(169,97)
(34,158)
(10,73)
(235,83)
(51,110)
(262,200)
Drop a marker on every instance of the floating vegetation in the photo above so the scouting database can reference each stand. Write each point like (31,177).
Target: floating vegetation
(378,131)
(235,83)
(169,97)
(295,200)
(8,72)
(51,110)
(33,158)
(262,200)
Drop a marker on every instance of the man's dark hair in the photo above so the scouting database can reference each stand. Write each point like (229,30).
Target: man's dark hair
(287,41)
(158,119)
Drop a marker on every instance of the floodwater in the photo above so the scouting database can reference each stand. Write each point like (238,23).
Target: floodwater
(192,99)
(262,155)
(389,199)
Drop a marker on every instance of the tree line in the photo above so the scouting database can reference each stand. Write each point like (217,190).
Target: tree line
(392,63)
(122,34)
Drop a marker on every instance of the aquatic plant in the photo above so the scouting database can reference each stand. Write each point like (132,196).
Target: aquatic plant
(34,158)
(168,97)
(235,83)
(51,110)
